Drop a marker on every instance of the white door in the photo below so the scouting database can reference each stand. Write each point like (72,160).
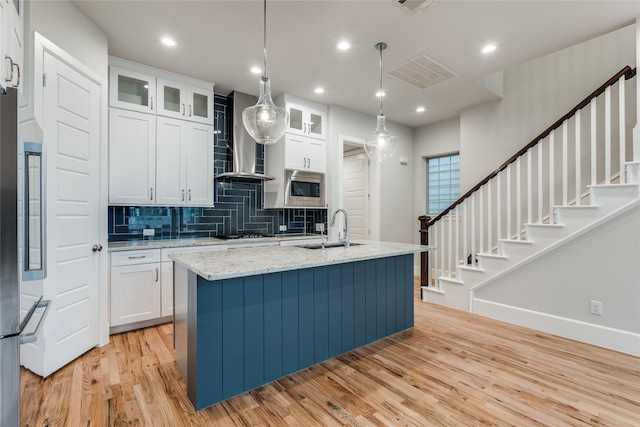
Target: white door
(356,194)
(71,137)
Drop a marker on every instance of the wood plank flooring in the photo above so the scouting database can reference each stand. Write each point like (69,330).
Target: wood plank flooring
(451,369)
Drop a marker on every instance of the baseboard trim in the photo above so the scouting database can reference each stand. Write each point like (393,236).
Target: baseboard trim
(602,336)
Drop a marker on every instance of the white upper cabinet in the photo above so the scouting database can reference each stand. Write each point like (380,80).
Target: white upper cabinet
(182,101)
(306,118)
(184,164)
(11,43)
(131,90)
(132,157)
(304,153)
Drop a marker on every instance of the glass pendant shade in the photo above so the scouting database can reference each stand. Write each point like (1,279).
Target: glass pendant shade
(265,121)
(380,146)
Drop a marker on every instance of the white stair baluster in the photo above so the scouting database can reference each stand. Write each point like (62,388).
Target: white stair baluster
(565,163)
(518,200)
(457,235)
(499,206)
(450,263)
(489,217)
(508,207)
(529,185)
(465,228)
(607,135)
(540,190)
(594,158)
(551,176)
(578,166)
(473,227)
(621,129)
(481,227)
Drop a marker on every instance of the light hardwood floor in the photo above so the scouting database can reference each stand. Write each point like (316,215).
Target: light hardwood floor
(451,369)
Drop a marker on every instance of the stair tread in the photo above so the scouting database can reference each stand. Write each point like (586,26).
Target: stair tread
(531,224)
(450,280)
(585,207)
(527,242)
(492,256)
(467,268)
(612,185)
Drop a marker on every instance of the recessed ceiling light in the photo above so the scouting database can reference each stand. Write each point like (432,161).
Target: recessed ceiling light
(420,110)
(256,70)
(167,41)
(319,90)
(489,48)
(343,45)
(379,94)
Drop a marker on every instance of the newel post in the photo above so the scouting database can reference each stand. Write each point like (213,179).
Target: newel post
(424,256)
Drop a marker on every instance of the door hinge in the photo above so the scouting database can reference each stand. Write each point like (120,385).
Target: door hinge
(44,80)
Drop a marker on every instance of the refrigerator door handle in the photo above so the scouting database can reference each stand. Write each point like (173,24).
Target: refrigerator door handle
(34,223)
(42,307)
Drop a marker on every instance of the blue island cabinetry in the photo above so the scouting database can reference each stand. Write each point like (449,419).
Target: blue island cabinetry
(233,335)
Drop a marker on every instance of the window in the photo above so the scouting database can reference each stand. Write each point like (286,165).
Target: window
(443,182)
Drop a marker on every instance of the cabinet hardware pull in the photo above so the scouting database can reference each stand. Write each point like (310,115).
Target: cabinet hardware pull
(189,194)
(189,110)
(151,102)
(157,275)
(137,256)
(183,195)
(151,193)
(183,109)
(309,160)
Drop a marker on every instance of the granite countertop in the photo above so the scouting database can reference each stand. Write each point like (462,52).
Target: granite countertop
(250,261)
(200,241)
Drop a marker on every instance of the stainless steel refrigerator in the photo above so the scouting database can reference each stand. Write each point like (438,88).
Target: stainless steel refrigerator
(13,330)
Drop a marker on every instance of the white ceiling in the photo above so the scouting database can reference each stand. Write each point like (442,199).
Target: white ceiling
(219,41)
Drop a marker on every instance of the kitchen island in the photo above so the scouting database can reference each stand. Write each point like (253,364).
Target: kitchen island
(246,317)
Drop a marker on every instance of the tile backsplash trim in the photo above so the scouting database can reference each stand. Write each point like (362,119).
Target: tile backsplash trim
(238,204)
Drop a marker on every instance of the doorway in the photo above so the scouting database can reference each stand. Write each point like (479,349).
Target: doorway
(356,194)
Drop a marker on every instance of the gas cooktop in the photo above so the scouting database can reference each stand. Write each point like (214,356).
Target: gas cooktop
(243,236)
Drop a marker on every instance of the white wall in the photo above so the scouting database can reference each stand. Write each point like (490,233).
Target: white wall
(397,222)
(430,141)
(601,265)
(535,95)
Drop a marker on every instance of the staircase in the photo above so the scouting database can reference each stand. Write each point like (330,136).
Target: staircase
(605,203)
(580,174)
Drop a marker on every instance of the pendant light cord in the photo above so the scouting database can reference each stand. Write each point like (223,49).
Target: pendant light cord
(264,74)
(381,46)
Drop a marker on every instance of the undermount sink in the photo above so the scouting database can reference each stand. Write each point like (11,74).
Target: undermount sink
(327,245)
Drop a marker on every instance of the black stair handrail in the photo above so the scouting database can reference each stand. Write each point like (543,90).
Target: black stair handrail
(627,72)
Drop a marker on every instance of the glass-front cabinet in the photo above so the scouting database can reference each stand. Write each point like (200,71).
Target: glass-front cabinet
(306,118)
(132,90)
(182,101)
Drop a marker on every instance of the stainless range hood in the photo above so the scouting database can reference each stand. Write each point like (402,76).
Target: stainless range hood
(243,146)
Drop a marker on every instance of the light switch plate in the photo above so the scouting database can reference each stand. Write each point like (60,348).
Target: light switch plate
(148,232)
(283,228)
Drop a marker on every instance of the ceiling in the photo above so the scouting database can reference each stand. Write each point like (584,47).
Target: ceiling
(219,41)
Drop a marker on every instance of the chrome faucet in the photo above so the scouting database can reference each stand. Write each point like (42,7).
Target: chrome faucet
(344,240)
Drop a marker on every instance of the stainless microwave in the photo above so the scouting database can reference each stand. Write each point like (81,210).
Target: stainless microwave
(304,189)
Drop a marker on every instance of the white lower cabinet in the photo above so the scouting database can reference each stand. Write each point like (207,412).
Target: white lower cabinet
(135,287)
(142,286)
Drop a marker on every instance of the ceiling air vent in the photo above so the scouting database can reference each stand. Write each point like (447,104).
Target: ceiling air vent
(422,72)
(414,6)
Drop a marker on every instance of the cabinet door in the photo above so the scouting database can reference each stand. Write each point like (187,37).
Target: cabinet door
(131,90)
(295,152)
(172,99)
(199,169)
(167,289)
(132,160)
(316,155)
(315,120)
(297,124)
(14,21)
(135,293)
(200,106)
(171,161)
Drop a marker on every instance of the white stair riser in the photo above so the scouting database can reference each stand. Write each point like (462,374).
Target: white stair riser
(543,236)
(575,219)
(493,265)
(613,197)
(516,251)
(471,277)
(454,296)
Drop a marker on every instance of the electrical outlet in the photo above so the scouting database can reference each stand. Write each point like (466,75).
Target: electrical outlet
(149,232)
(320,227)
(283,228)
(596,307)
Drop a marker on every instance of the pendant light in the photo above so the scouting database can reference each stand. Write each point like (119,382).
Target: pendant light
(265,121)
(380,146)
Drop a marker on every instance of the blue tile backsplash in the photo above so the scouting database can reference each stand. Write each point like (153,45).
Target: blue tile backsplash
(237,204)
